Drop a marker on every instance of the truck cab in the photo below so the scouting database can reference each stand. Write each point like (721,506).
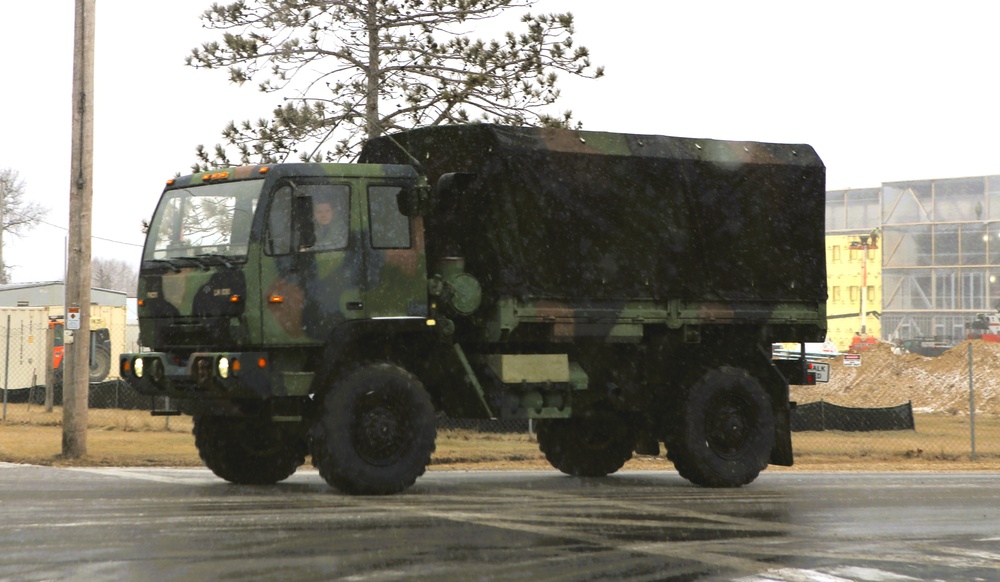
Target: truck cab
(283,256)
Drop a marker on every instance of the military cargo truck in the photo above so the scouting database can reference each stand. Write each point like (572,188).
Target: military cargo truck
(622,291)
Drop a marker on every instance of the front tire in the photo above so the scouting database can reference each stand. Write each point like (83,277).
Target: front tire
(587,447)
(726,430)
(248,451)
(376,431)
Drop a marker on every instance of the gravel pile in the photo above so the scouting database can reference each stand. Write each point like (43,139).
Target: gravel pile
(939,384)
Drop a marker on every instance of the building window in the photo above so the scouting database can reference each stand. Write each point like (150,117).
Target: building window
(836,253)
(836,294)
(854,294)
(870,291)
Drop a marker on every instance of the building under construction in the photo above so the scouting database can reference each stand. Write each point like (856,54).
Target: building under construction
(938,260)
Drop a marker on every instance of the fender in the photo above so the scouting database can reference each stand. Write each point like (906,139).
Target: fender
(363,339)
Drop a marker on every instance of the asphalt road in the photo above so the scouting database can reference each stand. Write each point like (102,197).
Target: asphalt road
(174,524)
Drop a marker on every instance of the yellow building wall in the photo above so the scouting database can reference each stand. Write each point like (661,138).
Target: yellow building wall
(843,278)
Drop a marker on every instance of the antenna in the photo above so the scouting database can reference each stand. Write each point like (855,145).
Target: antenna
(352,108)
(413,160)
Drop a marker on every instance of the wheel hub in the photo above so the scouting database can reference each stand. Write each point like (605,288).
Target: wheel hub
(378,434)
(728,431)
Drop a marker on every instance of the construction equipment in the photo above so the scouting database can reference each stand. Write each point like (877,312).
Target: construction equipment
(100,351)
(984,326)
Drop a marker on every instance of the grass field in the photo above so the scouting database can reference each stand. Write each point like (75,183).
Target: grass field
(134,438)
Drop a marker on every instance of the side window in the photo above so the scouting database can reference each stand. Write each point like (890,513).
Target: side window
(278,239)
(242,219)
(389,228)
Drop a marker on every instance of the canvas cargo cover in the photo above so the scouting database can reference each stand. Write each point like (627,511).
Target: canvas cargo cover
(604,216)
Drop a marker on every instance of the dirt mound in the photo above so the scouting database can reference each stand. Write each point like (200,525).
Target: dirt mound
(938,384)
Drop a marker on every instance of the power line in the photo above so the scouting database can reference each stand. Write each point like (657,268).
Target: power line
(21,214)
(92,236)
(39,221)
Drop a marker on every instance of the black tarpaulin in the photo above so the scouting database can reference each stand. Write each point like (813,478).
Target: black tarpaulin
(562,213)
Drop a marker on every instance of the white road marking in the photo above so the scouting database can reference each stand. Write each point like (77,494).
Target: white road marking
(157,475)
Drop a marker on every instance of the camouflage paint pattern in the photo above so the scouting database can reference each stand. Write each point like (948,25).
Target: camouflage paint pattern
(291,298)
(280,299)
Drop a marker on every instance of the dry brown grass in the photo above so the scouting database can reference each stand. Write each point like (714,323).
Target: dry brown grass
(124,438)
(134,438)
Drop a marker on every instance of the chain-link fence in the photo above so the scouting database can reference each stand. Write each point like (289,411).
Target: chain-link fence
(828,424)
(935,437)
(829,433)
(885,403)
(109,394)
(32,343)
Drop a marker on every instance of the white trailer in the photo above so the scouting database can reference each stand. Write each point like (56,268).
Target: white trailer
(22,346)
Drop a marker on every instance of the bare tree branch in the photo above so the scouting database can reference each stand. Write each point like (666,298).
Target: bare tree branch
(114,274)
(17,214)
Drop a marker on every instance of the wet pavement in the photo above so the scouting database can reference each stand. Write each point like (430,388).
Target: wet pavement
(171,524)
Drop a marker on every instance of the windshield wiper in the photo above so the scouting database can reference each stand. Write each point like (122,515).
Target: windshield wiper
(195,260)
(166,262)
(221,258)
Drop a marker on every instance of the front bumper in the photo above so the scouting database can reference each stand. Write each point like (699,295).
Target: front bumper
(211,375)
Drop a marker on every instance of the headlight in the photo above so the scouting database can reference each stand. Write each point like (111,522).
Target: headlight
(137,366)
(223,367)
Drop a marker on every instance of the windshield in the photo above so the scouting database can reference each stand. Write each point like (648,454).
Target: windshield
(211,220)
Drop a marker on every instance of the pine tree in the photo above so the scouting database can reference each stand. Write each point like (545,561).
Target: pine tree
(351,70)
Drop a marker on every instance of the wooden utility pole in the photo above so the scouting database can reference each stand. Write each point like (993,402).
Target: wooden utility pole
(76,366)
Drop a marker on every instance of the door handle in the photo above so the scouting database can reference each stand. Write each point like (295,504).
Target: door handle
(355,306)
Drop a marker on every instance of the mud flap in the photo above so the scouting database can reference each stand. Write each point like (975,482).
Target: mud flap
(781,454)
(777,389)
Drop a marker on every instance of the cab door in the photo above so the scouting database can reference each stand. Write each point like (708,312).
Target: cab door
(310,286)
(395,285)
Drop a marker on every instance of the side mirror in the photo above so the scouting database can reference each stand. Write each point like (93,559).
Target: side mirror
(411,201)
(302,221)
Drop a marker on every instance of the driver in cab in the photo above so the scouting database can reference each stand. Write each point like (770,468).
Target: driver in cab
(331,226)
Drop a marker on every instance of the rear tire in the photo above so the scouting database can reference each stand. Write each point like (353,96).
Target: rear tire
(248,451)
(726,430)
(376,431)
(587,447)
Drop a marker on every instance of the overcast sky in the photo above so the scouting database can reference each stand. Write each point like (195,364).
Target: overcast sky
(885,91)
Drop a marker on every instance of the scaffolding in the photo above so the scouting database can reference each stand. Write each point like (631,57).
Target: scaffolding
(940,250)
